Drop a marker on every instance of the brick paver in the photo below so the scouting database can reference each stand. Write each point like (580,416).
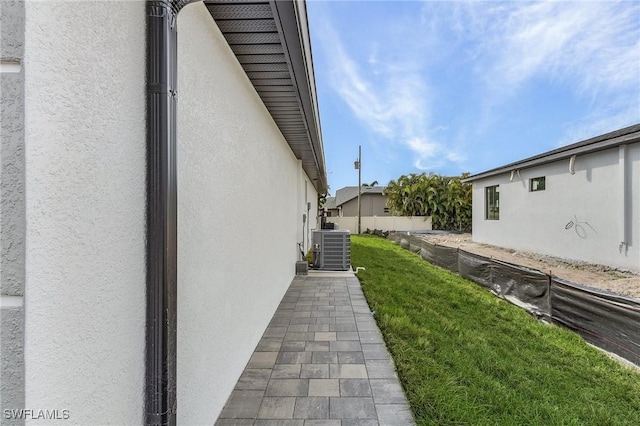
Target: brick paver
(321,361)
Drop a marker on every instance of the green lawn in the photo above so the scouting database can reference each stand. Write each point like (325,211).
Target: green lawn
(467,357)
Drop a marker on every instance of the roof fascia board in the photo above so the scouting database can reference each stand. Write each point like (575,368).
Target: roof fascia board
(288,21)
(625,136)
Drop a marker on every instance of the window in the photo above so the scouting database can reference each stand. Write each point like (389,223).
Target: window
(492,202)
(537,184)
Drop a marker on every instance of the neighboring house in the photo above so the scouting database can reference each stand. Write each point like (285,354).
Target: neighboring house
(373,202)
(330,208)
(580,202)
(343,211)
(132,169)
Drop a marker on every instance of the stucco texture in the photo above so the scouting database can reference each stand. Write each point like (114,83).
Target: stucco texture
(85,209)
(12,209)
(240,205)
(11,361)
(12,220)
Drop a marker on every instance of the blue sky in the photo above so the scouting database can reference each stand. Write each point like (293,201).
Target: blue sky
(454,86)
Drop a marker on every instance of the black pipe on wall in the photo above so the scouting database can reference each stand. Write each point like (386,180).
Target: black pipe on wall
(161,262)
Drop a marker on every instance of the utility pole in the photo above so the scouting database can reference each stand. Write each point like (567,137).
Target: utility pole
(358,165)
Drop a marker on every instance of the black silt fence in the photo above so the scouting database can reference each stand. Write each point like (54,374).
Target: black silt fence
(527,288)
(607,320)
(442,256)
(604,319)
(445,257)
(476,268)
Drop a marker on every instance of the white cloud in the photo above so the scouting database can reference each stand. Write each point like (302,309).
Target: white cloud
(592,46)
(357,92)
(589,48)
(602,120)
(373,56)
(496,51)
(422,147)
(389,96)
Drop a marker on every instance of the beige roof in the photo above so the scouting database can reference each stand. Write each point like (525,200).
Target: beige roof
(350,192)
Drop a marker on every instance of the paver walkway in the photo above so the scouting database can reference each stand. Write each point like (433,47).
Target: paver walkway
(321,361)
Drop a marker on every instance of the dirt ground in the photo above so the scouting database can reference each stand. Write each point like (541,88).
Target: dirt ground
(621,282)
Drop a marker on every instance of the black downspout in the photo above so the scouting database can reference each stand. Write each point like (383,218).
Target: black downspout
(161,329)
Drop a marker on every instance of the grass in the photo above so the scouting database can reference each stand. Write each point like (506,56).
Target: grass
(466,357)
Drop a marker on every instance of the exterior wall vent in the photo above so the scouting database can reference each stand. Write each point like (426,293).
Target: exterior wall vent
(335,249)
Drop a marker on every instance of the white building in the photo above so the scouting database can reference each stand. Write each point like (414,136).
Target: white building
(114,203)
(580,202)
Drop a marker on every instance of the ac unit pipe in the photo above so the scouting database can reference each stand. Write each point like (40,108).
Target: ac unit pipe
(161,329)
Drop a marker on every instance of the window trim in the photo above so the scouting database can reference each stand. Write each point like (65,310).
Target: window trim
(492,201)
(542,179)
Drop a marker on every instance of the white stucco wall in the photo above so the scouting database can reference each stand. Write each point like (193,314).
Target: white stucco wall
(240,205)
(85,210)
(592,198)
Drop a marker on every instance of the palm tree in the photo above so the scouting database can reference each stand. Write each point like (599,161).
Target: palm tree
(446,199)
(394,198)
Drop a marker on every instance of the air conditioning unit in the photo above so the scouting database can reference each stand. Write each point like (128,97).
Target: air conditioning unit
(335,249)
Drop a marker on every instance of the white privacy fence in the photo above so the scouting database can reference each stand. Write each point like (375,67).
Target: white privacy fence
(383,223)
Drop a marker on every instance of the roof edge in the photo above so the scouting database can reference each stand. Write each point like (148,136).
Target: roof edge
(348,193)
(291,17)
(609,140)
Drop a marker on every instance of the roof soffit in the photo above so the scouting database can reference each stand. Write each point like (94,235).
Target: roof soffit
(268,39)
